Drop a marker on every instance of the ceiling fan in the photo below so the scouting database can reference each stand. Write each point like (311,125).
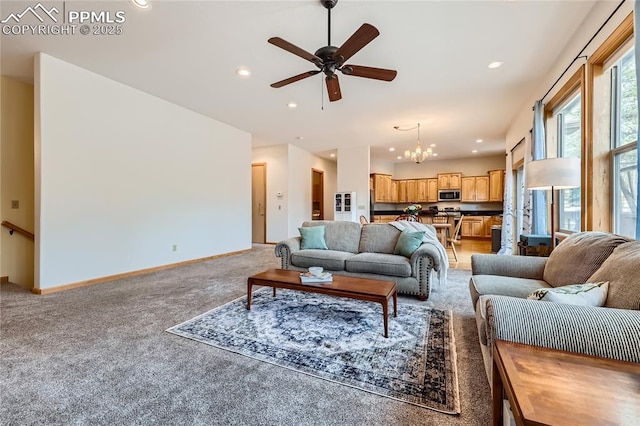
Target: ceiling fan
(330,59)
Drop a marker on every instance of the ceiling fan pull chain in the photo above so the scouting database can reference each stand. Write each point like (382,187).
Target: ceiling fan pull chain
(322,94)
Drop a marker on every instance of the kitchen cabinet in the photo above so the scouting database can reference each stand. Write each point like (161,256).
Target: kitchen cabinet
(422,191)
(449,180)
(393,191)
(475,189)
(412,191)
(490,221)
(381,188)
(402,191)
(472,226)
(384,218)
(432,190)
(496,185)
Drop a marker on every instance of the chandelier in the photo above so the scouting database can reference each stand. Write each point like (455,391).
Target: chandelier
(419,154)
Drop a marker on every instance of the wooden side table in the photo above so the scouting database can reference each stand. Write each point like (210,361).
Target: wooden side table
(551,387)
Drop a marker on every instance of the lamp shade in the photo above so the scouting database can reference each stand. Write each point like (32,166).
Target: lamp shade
(556,173)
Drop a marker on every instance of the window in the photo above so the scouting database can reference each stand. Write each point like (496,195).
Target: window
(624,153)
(569,127)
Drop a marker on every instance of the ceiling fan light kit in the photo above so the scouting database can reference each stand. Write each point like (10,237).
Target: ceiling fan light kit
(330,59)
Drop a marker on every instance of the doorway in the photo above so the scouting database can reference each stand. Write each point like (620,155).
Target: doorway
(258,203)
(317,194)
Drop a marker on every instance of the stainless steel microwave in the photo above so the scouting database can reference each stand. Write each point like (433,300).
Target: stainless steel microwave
(448,195)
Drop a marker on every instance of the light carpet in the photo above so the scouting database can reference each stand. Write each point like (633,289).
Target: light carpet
(341,340)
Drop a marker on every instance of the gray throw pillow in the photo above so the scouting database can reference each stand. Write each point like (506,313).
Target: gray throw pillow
(622,270)
(576,258)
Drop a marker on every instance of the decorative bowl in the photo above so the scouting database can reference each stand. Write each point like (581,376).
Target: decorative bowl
(316,271)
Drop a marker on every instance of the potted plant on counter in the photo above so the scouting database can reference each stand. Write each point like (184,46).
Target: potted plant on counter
(413,210)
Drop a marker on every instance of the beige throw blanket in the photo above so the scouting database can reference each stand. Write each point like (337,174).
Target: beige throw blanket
(430,237)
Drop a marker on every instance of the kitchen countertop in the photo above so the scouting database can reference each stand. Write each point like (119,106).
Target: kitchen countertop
(431,213)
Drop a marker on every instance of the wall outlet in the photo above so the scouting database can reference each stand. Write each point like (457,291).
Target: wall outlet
(15,204)
(174,247)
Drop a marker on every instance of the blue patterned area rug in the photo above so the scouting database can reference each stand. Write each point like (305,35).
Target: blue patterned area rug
(341,340)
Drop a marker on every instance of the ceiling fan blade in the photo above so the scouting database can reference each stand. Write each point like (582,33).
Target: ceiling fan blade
(357,41)
(283,44)
(294,78)
(369,72)
(333,88)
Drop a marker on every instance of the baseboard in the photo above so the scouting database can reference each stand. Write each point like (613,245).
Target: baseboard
(4,280)
(131,274)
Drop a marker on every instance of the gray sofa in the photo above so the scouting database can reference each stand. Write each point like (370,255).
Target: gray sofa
(500,284)
(366,251)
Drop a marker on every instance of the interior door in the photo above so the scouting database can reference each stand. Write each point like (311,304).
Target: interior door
(317,194)
(258,203)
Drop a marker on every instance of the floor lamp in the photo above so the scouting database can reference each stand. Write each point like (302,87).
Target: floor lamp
(553,174)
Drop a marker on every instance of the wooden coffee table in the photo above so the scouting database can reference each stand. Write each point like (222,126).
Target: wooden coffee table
(353,288)
(551,387)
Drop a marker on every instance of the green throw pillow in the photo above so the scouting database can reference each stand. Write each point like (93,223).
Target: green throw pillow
(312,238)
(408,243)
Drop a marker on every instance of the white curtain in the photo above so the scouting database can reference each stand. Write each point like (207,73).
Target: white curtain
(539,200)
(506,243)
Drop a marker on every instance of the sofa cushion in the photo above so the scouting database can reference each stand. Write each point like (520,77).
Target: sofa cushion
(378,238)
(576,258)
(622,270)
(328,259)
(312,237)
(339,236)
(587,294)
(502,286)
(408,242)
(379,263)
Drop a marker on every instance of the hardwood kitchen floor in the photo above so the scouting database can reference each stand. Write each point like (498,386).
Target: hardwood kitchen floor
(465,249)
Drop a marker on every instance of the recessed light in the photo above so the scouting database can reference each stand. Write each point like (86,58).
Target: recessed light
(243,72)
(292,105)
(475,151)
(142,4)
(332,155)
(399,157)
(435,154)
(495,64)
(433,145)
(479,141)
(392,149)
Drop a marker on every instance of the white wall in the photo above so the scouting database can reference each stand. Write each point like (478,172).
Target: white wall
(353,175)
(276,158)
(330,180)
(289,173)
(472,166)
(381,167)
(122,176)
(299,188)
(524,120)
(16,171)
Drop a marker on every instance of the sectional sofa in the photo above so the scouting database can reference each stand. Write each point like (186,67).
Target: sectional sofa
(500,285)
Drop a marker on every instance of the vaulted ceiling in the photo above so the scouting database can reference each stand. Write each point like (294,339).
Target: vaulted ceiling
(188,53)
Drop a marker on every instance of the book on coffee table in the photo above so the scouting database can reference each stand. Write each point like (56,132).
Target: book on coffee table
(325,277)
